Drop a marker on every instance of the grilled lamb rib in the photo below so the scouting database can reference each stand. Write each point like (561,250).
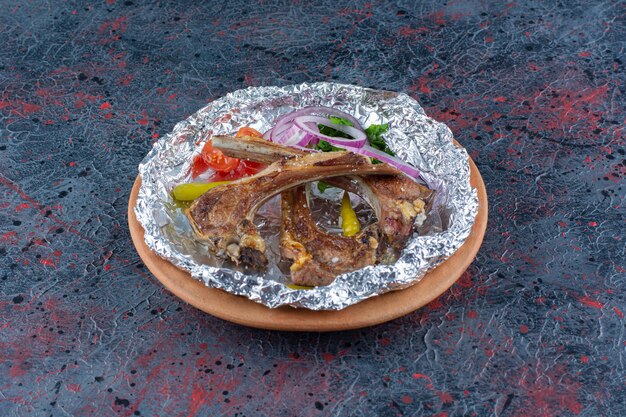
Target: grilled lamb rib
(396,199)
(318,257)
(223,215)
(397,202)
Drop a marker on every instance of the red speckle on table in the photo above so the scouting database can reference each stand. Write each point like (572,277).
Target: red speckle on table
(144,118)
(408,31)
(588,301)
(49,263)
(116,25)
(445,397)
(20,108)
(9,236)
(73,387)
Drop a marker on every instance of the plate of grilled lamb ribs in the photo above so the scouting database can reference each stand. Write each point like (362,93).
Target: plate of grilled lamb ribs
(314,207)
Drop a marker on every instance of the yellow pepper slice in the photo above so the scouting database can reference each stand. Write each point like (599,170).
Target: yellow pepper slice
(298,287)
(193,190)
(349,222)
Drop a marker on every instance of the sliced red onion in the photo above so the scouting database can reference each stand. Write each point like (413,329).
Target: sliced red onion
(312,110)
(295,136)
(277,131)
(299,128)
(359,138)
(391,160)
(321,110)
(316,131)
(291,134)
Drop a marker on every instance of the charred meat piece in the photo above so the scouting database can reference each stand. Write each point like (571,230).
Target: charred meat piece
(396,199)
(318,257)
(223,215)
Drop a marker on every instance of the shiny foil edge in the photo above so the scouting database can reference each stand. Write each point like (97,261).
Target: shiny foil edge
(415,138)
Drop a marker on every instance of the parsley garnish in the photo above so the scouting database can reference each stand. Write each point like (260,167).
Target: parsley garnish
(329,131)
(323,186)
(324,146)
(375,137)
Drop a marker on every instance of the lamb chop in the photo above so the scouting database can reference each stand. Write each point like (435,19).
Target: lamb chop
(223,215)
(397,200)
(318,257)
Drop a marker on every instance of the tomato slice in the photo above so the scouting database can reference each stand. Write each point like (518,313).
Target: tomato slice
(244,169)
(216,160)
(250,168)
(198,166)
(248,131)
(226,167)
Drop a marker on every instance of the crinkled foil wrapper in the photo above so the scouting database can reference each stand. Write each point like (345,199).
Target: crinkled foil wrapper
(414,137)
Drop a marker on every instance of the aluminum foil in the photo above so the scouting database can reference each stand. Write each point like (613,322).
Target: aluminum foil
(414,137)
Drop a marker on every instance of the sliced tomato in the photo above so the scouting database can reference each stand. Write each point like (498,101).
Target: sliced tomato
(244,169)
(250,168)
(216,160)
(248,131)
(198,166)
(226,168)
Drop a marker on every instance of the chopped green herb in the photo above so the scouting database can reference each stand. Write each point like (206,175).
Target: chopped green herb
(322,186)
(340,121)
(324,146)
(329,131)
(374,137)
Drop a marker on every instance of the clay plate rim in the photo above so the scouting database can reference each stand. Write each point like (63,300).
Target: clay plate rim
(375,310)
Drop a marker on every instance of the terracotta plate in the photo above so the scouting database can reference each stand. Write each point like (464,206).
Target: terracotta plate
(372,311)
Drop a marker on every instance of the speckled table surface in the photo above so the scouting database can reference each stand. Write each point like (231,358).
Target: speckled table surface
(534,91)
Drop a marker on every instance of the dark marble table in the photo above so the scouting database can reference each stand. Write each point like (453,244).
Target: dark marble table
(534,91)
